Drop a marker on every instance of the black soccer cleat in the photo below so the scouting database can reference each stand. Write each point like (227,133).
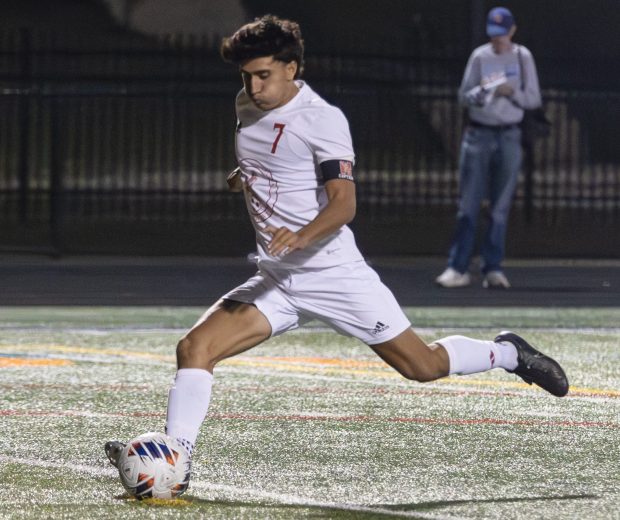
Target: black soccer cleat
(113,451)
(535,367)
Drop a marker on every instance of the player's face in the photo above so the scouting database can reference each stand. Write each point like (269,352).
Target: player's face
(269,83)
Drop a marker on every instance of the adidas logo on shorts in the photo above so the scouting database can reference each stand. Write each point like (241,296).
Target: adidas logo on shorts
(380,327)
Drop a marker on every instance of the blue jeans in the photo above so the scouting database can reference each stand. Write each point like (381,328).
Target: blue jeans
(489,168)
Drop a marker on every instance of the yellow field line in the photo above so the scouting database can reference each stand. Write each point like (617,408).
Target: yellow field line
(326,361)
(389,373)
(18,362)
(305,364)
(86,350)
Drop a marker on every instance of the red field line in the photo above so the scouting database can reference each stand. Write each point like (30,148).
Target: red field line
(420,420)
(331,418)
(76,413)
(80,386)
(506,422)
(419,392)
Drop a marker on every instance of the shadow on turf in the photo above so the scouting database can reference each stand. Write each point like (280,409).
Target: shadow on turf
(443,503)
(344,514)
(332,513)
(337,513)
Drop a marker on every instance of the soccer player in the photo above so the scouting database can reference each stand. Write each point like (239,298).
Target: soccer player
(296,162)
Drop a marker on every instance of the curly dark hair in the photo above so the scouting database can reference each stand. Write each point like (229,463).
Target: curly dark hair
(266,36)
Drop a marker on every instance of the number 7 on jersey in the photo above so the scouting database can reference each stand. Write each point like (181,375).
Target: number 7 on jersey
(280,128)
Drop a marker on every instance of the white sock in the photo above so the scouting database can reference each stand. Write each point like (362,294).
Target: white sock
(188,403)
(469,356)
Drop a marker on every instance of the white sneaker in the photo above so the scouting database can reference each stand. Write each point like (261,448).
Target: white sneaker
(495,280)
(452,278)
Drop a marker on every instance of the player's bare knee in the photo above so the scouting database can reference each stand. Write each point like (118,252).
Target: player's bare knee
(416,375)
(191,353)
(428,375)
(422,373)
(184,348)
(412,375)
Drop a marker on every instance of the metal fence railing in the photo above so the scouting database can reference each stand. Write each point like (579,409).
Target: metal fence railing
(145,132)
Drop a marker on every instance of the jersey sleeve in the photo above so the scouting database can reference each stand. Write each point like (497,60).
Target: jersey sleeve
(329,137)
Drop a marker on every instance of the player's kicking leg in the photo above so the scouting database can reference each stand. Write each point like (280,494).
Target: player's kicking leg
(226,329)
(410,356)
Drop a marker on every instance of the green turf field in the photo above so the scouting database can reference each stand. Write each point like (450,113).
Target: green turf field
(311,424)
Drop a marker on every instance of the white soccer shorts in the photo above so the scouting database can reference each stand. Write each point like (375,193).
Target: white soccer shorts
(350,298)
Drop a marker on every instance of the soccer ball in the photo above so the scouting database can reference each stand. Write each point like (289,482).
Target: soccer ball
(154,465)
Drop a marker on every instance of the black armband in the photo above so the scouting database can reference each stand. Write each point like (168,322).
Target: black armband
(337,169)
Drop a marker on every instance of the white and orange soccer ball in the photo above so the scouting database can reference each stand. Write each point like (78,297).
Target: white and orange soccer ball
(154,465)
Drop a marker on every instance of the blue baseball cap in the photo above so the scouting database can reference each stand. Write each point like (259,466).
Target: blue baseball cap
(499,22)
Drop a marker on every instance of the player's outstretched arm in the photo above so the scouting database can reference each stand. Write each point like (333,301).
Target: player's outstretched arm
(338,212)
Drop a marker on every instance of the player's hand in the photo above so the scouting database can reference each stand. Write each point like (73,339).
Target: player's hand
(283,241)
(234,180)
(504,90)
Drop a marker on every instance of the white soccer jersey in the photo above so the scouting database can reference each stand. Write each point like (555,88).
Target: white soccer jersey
(279,152)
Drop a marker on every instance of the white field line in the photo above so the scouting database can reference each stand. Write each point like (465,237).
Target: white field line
(93,331)
(79,468)
(305,502)
(278,498)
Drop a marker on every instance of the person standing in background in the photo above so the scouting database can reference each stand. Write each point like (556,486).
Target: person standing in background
(499,82)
